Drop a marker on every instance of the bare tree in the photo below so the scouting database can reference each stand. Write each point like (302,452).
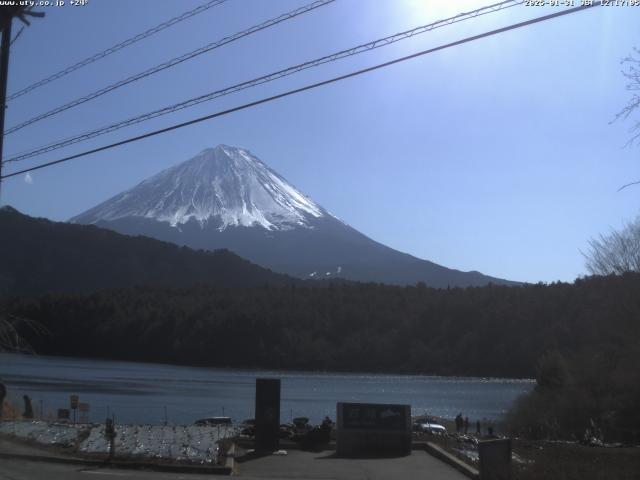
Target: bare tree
(11,340)
(632,74)
(616,253)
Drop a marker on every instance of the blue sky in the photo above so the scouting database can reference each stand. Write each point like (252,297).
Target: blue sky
(496,156)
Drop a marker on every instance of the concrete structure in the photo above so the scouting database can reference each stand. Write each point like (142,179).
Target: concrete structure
(495,459)
(373,429)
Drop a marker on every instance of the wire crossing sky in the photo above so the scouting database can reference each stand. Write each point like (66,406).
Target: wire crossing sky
(171,63)
(130,41)
(381,42)
(301,89)
(496,155)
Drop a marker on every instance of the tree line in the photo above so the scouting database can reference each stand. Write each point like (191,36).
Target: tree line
(485,331)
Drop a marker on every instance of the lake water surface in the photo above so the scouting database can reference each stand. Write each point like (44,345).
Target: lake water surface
(142,392)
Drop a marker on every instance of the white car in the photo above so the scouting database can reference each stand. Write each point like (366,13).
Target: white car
(213,421)
(429,426)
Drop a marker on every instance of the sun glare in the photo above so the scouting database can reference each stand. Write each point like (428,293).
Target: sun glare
(432,10)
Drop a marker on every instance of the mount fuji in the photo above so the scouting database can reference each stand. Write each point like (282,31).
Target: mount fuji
(225,197)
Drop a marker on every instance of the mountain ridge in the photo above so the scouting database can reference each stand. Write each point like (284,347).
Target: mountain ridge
(49,256)
(225,197)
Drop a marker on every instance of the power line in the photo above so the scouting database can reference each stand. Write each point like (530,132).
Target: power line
(17,35)
(265,79)
(305,88)
(117,47)
(173,62)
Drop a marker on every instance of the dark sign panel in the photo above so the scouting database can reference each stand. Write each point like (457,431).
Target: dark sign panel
(267,414)
(373,416)
(63,414)
(373,429)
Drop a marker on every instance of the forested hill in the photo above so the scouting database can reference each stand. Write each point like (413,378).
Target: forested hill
(484,331)
(41,256)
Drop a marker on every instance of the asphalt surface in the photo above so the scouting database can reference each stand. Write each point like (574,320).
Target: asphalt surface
(295,465)
(27,470)
(304,465)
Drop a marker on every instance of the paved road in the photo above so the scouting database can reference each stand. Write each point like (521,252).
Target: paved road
(27,470)
(295,465)
(324,465)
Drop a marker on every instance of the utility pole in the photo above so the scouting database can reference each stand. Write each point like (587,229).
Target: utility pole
(4,75)
(7,13)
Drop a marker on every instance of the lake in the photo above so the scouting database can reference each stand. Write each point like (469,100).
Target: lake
(152,393)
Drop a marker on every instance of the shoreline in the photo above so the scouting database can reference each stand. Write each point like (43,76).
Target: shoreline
(153,393)
(291,372)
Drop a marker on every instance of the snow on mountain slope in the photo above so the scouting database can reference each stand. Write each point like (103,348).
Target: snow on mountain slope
(225,185)
(225,197)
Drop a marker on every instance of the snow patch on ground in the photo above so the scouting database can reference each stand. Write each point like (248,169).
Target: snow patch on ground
(51,434)
(179,443)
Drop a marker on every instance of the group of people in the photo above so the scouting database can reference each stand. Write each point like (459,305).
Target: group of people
(462,425)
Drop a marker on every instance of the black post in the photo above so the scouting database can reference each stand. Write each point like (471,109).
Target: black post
(3,392)
(267,414)
(110,433)
(4,75)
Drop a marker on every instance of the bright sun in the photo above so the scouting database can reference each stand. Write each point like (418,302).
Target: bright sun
(432,10)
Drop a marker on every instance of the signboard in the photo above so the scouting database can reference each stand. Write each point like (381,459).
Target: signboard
(267,414)
(372,416)
(74,401)
(372,428)
(83,408)
(63,414)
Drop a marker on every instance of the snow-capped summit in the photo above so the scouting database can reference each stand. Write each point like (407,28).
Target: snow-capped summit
(225,197)
(222,186)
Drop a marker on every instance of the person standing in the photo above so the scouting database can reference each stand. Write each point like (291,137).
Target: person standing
(459,422)
(3,393)
(28,408)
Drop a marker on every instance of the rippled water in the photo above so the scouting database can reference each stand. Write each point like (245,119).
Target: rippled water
(143,392)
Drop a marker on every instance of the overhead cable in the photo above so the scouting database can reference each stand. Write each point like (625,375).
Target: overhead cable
(305,88)
(264,79)
(115,48)
(171,63)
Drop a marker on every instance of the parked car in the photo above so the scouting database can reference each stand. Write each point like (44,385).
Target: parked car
(429,425)
(248,427)
(213,421)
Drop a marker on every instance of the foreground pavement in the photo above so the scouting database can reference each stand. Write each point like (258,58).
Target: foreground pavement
(298,464)
(29,470)
(22,461)
(295,465)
